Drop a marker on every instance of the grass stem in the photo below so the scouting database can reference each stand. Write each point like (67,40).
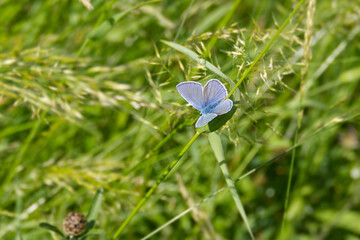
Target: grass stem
(154,187)
(266,48)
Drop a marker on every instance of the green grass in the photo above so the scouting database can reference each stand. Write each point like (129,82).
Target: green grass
(79,112)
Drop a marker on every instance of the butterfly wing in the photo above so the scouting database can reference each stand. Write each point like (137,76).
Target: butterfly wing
(193,93)
(223,107)
(205,119)
(214,91)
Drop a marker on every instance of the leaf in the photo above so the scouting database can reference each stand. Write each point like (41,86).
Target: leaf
(93,212)
(95,205)
(216,145)
(52,228)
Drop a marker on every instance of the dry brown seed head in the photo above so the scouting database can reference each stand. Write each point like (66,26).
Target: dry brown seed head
(74,224)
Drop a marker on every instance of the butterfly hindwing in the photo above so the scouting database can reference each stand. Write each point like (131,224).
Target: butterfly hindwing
(214,91)
(223,107)
(193,93)
(205,119)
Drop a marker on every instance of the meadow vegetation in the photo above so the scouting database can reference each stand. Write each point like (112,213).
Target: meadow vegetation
(88,101)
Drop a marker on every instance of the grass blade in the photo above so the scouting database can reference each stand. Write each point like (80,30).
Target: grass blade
(95,205)
(154,187)
(106,26)
(11,172)
(52,228)
(93,211)
(312,135)
(266,48)
(222,24)
(194,56)
(216,145)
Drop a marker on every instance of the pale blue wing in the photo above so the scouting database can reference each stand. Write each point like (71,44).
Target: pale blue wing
(205,119)
(223,107)
(193,93)
(214,92)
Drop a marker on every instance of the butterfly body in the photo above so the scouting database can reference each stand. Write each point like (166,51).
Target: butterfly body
(210,108)
(210,100)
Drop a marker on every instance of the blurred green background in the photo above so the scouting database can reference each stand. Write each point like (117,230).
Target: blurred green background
(81,108)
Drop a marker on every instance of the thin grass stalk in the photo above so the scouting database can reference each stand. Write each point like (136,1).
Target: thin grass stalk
(173,164)
(98,22)
(216,146)
(332,57)
(266,48)
(105,26)
(177,33)
(183,20)
(154,187)
(151,153)
(277,157)
(224,21)
(306,60)
(20,156)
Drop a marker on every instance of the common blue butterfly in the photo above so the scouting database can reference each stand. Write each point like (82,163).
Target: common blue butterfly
(209,100)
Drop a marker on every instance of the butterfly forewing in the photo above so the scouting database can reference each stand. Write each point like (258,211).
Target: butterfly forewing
(214,92)
(193,93)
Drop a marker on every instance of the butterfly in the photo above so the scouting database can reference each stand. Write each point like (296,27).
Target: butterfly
(209,100)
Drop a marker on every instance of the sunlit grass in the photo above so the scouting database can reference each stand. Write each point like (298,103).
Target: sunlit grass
(77,115)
